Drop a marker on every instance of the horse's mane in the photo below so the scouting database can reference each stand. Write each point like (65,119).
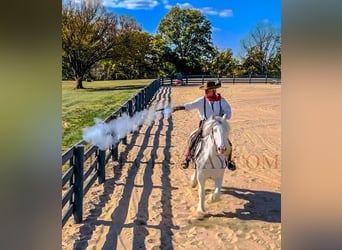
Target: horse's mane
(211,122)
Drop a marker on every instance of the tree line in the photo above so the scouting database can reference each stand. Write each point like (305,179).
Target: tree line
(101,45)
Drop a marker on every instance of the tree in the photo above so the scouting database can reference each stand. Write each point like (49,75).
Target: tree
(134,58)
(187,34)
(224,63)
(88,36)
(260,48)
(253,62)
(275,64)
(131,57)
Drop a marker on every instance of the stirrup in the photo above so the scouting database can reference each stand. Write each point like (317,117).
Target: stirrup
(231,165)
(185,164)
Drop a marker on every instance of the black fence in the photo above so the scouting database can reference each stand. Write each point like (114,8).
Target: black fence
(85,166)
(200,79)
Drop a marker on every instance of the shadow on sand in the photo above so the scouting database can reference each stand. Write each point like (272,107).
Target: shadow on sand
(261,205)
(118,217)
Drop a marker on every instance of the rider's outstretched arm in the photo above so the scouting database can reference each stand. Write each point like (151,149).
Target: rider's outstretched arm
(176,108)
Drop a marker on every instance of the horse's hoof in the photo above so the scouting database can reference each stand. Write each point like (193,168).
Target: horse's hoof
(214,198)
(199,215)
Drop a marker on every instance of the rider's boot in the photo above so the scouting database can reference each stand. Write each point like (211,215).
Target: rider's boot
(230,163)
(186,161)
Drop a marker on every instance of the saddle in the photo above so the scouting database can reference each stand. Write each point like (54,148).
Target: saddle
(195,139)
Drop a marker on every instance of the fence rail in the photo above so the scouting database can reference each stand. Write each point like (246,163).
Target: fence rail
(200,79)
(86,167)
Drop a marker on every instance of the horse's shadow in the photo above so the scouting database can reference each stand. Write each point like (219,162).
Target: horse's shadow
(262,205)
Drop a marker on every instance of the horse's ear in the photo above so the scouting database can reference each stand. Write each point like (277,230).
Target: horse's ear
(224,116)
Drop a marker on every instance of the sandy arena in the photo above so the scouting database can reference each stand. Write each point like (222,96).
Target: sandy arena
(147,202)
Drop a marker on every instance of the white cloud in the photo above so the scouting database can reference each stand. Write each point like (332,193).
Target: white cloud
(204,10)
(226,13)
(216,29)
(184,5)
(131,4)
(209,11)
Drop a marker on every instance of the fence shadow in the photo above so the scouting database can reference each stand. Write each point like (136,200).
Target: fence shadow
(140,223)
(262,205)
(166,223)
(119,215)
(89,223)
(139,230)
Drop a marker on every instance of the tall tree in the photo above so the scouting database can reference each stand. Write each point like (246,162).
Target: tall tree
(254,61)
(130,58)
(224,63)
(260,48)
(187,34)
(155,58)
(88,36)
(275,65)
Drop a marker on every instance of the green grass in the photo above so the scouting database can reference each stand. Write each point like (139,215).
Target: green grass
(98,99)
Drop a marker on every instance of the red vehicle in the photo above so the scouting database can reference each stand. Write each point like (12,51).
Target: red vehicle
(178,82)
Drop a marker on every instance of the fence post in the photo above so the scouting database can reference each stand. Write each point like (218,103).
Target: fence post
(114,148)
(71,180)
(78,184)
(155,88)
(147,96)
(101,167)
(130,107)
(140,97)
(136,103)
(233,79)
(144,101)
(124,110)
(186,80)
(150,95)
(114,152)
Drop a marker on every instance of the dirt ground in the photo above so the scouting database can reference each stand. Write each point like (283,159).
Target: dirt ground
(147,202)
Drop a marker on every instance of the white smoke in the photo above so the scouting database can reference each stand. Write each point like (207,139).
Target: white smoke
(103,135)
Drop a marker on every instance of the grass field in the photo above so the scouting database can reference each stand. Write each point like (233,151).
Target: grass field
(98,99)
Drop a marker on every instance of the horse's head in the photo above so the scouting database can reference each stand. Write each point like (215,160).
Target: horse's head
(218,129)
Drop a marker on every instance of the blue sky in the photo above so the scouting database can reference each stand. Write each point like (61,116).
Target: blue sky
(231,20)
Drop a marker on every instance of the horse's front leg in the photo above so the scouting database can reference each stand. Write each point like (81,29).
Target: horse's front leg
(194,178)
(217,192)
(201,194)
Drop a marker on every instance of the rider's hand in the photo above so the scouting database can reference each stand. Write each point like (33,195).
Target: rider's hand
(176,108)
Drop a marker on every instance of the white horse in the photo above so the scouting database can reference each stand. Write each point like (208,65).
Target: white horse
(210,157)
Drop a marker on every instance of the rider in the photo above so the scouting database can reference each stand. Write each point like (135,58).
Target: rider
(210,104)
